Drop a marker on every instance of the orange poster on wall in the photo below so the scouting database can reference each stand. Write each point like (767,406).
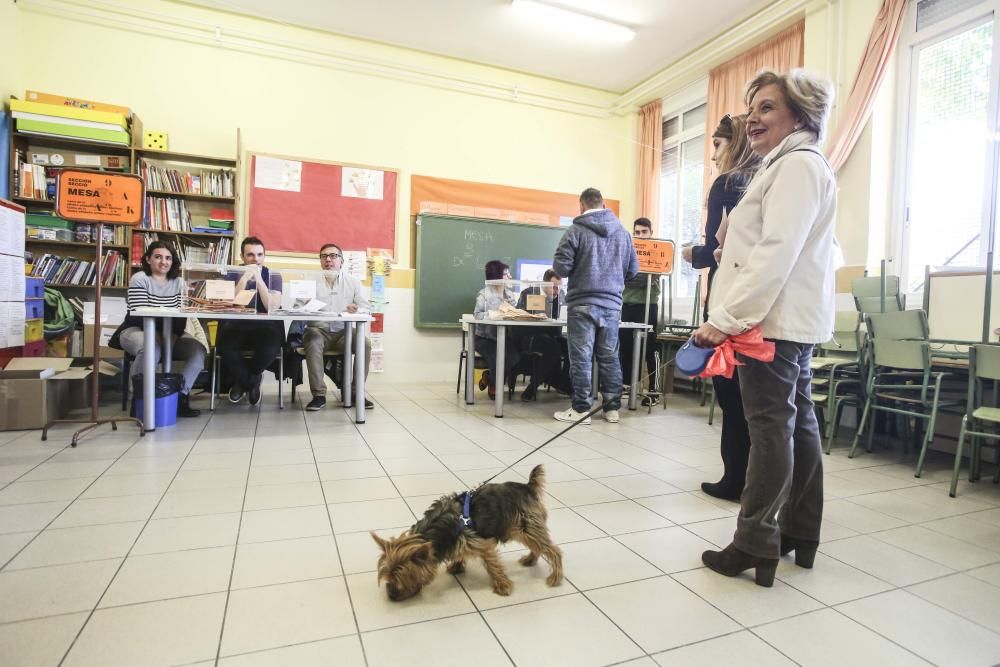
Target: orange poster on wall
(655,255)
(95,196)
(502,201)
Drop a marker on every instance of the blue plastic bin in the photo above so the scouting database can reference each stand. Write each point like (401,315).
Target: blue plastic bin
(166,410)
(166,387)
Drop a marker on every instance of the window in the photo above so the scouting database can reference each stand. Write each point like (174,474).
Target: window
(949,165)
(681,195)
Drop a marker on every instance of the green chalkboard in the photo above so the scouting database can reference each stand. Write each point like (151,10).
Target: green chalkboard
(451,255)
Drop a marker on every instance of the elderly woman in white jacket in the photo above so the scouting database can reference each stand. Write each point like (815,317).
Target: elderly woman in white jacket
(777,272)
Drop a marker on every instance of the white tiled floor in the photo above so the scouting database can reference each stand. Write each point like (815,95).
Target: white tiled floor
(242,539)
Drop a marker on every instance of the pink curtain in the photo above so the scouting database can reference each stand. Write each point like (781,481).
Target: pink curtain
(650,148)
(871,71)
(728,81)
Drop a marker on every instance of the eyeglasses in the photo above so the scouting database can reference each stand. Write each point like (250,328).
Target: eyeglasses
(330,255)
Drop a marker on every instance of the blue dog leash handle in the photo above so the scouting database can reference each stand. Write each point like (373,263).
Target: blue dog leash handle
(691,359)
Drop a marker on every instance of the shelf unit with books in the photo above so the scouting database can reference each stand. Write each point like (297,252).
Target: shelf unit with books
(189,190)
(185,194)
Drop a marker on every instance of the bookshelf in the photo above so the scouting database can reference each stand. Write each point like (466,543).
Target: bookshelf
(197,186)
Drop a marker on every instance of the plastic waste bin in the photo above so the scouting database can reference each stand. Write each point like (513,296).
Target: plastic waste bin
(166,386)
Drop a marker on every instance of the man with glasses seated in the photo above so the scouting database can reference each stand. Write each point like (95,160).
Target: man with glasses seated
(340,294)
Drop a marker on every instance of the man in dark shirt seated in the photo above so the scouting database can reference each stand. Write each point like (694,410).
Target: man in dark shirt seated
(541,344)
(262,338)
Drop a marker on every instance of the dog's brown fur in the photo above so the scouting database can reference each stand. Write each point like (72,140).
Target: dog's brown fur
(500,512)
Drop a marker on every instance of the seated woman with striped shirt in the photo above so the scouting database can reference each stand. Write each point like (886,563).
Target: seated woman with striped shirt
(159,285)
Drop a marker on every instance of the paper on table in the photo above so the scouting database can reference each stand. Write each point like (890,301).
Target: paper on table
(314,306)
(302,289)
(223,290)
(276,174)
(244,297)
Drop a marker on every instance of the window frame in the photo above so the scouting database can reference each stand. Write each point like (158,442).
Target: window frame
(911,42)
(676,107)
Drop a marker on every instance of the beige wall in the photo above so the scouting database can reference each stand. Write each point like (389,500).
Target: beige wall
(199,94)
(10,50)
(835,38)
(303,93)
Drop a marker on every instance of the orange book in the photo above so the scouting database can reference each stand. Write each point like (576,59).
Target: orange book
(49,98)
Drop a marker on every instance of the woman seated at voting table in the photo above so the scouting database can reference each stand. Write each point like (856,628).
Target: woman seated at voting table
(159,285)
(490,298)
(543,349)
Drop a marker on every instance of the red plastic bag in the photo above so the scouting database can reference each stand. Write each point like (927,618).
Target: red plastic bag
(749,343)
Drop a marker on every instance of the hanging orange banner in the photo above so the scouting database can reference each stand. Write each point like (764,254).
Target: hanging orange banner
(97,196)
(655,255)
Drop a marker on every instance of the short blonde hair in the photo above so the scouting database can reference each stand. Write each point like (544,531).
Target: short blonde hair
(808,95)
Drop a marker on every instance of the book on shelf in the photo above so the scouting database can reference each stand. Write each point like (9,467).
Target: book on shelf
(63,100)
(208,182)
(75,271)
(138,249)
(64,114)
(189,250)
(222,231)
(72,131)
(72,122)
(166,214)
(34,182)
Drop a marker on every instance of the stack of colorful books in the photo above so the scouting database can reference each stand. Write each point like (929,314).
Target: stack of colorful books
(52,115)
(220,221)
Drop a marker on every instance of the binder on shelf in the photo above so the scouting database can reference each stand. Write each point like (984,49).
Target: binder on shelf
(60,113)
(61,130)
(63,100)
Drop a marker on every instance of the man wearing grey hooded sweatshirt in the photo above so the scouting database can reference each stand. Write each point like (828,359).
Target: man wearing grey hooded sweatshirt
(597,256)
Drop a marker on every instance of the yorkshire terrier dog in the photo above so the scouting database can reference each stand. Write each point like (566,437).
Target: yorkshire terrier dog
(498,512)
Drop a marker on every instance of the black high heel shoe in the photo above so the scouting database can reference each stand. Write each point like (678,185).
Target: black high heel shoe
(805,550)
(484,380)
(731,562)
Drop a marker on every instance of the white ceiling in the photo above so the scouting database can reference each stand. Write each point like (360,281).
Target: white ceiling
(489,32)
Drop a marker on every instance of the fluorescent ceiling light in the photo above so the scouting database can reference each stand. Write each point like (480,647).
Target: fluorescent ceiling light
(565,20)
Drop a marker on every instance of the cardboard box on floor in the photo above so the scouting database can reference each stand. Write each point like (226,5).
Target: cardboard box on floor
(106,332)
(34,390)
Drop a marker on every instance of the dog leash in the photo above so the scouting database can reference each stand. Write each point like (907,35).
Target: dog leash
(579,421)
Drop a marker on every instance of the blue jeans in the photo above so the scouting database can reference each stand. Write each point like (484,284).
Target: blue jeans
(593,328)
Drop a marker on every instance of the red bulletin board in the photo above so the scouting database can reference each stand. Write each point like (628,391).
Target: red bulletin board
(299,222)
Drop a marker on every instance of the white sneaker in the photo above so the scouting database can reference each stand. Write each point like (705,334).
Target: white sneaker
(572,415)
(611,416)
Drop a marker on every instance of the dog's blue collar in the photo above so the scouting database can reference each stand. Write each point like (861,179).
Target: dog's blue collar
(465,520)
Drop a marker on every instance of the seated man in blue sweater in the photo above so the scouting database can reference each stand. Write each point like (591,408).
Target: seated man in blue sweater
(597,256)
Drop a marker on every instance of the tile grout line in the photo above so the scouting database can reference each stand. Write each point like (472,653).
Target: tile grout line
(135,541)
(333,534)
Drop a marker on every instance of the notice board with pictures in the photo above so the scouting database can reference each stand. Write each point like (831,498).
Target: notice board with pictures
(296,204)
